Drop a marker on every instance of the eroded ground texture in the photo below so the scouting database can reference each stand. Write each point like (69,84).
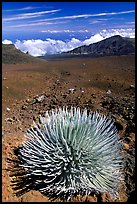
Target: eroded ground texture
(105,84)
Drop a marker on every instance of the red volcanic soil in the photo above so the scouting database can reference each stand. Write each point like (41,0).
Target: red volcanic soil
(105,84)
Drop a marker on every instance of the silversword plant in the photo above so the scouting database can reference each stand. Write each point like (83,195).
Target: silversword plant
(71,152)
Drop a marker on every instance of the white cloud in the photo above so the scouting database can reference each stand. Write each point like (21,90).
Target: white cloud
(131,22)
(86,15)
(50,46)
(100,20)
(29,15)
(22,9)
(93,39)
(33,24)
(64,31)
(130,32)
(37,24)
(37,14)
(7,41)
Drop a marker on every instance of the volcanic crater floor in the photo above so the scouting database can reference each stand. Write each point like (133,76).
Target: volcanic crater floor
(105,84)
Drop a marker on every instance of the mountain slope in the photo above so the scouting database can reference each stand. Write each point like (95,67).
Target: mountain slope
(11,55)
(115,45)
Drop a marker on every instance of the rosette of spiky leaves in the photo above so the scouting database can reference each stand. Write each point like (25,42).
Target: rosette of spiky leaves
(71,152)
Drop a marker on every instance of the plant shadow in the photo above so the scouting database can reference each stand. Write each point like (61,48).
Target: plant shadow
(23,181)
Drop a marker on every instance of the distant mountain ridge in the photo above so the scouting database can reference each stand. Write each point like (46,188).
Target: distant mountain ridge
(11,55)
(112,46)
(115,45)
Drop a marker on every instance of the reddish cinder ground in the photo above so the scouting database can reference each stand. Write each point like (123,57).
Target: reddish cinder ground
(90,78)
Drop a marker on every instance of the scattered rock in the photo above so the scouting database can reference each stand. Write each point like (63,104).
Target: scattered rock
(40,98)
(126,145)
(93,95)
(24,107)
(109,92)
(65,73)
(132,137)
(8,109)
(72,90)
(15,118)
(27,100)
(9,120)
(132,86)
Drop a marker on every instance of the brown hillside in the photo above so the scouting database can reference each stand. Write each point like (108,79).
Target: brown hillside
(11,55)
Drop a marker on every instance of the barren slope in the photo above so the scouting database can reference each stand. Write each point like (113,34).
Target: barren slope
(91,79)
(11,55)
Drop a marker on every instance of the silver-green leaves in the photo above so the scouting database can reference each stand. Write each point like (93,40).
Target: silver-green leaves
(71,152)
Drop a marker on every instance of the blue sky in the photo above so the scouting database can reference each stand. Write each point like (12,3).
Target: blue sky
(22,20)
(65,20)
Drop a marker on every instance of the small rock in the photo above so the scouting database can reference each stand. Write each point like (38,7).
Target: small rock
(132,86)
(40,98)
(72,90)
(93,95)
(4,78)
(24,107)
(8,109)
(15,118)
(132,136)
(109,92)
(9,120)
(19,128)
(28,100)
(126,145)
(57,82)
